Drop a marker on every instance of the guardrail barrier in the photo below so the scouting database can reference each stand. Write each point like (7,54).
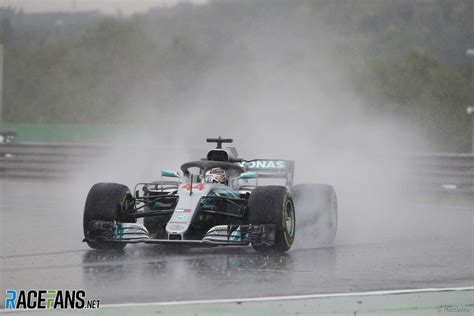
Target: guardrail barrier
(449,173)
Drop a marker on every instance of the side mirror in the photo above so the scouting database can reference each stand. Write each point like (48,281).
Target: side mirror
(248,175)
(168,173)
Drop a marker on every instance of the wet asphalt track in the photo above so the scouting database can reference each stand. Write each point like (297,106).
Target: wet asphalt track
(40,248)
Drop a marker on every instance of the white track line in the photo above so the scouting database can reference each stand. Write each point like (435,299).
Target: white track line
(269,298)
(290,297)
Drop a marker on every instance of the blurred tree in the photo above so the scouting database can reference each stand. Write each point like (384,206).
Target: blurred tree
(86,67)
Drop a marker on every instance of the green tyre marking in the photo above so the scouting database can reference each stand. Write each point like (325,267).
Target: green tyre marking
(286,235)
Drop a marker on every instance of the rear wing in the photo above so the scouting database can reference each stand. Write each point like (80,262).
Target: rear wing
(271,168)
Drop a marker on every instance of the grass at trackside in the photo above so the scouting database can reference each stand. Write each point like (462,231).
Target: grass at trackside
(61,133)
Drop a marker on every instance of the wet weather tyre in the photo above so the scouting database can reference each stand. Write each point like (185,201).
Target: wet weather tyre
(316,208)
(273,205)
(104,203)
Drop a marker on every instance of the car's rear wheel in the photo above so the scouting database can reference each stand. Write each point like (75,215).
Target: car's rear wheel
(273,205)
(316,206)
(105,202)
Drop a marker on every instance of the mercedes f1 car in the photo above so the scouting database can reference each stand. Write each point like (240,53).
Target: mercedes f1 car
(214,201)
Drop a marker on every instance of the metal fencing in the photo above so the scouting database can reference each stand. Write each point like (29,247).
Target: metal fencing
(33,160)
(449,173)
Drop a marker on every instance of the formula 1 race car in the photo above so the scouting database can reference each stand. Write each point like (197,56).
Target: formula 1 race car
(216,201)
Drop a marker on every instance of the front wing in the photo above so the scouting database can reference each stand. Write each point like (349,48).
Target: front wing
(221,235)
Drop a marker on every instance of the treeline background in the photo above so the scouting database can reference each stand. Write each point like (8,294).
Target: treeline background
(403,58)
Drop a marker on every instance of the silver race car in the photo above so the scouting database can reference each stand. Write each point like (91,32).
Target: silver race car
(216,201)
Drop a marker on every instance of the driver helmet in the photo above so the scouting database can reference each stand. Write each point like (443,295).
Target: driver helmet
(216,175)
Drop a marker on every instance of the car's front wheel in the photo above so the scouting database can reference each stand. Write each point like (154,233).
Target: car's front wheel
(105,202)
(273,205)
